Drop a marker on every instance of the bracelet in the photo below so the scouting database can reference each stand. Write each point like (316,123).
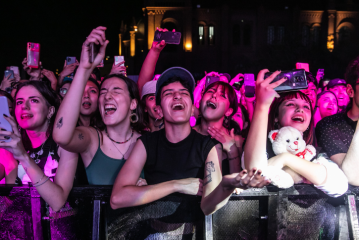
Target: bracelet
(232,158)
(41,183)
(39,180)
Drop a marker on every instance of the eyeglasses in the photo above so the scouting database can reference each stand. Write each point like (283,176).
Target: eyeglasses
(63,91)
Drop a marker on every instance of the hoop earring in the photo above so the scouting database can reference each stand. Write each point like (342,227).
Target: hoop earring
(133,117)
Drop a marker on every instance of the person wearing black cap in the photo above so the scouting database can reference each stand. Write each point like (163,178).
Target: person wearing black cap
(339,88)
(338,135)
(176,159)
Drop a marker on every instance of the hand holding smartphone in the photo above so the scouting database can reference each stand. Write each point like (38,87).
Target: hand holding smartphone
(295,80)
(4,124)
(169,37)
(249,85)
(9,73)
(119,59)
(33,55)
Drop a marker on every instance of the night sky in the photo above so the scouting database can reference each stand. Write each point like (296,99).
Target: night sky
(60,27)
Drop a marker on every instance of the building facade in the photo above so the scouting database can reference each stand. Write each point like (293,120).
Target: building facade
(233,36)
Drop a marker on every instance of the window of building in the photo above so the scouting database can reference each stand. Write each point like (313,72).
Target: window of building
(344,35)
(247,35)
(211,35)
(200,35)
(315,35)
(236,34)
(305,35)
(270,35)
(280,35)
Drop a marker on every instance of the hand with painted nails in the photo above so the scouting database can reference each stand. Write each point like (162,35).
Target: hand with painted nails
(159,46)
(15,145)
(245,179)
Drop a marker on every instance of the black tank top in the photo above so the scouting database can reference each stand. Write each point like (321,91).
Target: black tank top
(168,161)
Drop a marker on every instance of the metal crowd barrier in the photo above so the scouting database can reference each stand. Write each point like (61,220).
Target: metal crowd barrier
(300,212)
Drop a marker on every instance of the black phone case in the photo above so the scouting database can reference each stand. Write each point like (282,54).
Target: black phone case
(169,37)
(296,80)
(94,49)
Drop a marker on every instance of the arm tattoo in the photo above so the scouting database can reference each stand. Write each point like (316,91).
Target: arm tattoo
(59,123)
(81,136)
(209,169)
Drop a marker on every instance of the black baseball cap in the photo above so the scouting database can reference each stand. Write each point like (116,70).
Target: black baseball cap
(179,72)
(335,82)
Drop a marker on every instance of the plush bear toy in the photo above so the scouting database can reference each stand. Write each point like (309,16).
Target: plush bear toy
(287,139)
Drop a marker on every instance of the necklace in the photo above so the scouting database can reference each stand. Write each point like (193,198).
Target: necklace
(116,141)
(123,154)
(36,158)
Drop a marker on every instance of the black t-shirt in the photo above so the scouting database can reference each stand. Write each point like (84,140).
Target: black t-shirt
(335,133)
(168,161)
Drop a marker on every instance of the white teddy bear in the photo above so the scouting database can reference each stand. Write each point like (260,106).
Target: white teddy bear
(287,139)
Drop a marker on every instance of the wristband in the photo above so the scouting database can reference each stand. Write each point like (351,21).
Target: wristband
(39,180)
(42,182)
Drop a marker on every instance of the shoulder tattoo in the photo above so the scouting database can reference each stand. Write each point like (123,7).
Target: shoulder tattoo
(209,169)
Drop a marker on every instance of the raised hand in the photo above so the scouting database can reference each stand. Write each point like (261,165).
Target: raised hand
(118,69)
(265,92)
(190,186)
(15,145)
(6,82)
(35,73)
(97,36)
(68,69)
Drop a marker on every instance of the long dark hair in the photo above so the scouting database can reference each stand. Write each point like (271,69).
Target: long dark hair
(51,98)
(308,135)
(139,126)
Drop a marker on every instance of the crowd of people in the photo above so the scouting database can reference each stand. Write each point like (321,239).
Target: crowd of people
(168,134)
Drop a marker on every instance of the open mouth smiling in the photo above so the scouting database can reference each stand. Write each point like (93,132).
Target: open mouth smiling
(211,105)
(110,109)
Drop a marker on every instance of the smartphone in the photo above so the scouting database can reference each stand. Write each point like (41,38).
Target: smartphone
(9,72)
(304,66)
(15,69)
(210,80)
(295,80)
(119,59)
(4,109)
(94,49)
(169,37)
(249,85)
(70,60)
(33,55)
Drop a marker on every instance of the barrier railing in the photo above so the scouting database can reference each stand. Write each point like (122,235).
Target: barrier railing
(300,212)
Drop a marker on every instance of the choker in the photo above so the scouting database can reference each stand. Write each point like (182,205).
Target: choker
(116,141)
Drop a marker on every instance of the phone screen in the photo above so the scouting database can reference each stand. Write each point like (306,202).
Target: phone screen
(119,59)
(9,72)
(4,109)
(33,55)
